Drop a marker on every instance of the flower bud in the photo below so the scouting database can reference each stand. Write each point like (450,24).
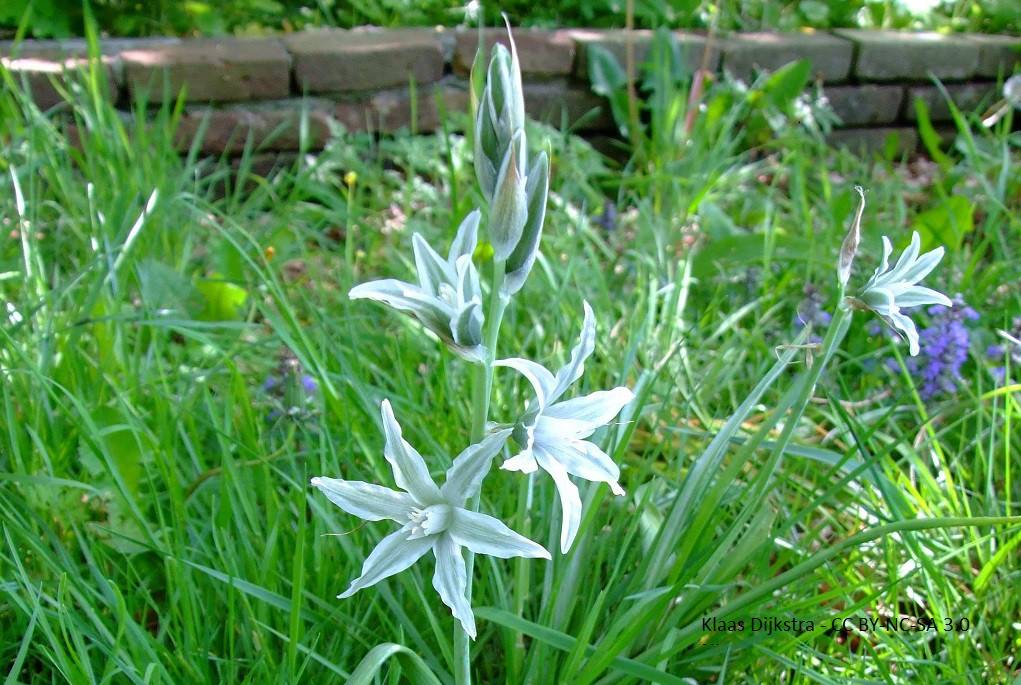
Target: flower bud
(499,116)
(509,210)
(488,155)
(506,90)
(521,259)
(850,247)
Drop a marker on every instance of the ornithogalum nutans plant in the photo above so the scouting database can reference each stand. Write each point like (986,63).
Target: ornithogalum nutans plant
(448,301)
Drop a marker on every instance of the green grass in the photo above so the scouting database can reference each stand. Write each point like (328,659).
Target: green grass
(157,523)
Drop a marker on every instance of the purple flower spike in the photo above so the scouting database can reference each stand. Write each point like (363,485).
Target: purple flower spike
(944,346)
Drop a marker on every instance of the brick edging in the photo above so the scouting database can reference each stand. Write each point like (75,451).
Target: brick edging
(258,86)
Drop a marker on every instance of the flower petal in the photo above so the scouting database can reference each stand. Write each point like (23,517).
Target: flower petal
(585,414)
(467,238)
(541,379)
(917,296)
(432,269)
(410,472)
(884,264)
(907,259)
(467,281)
(433,312)
(484,534)
(583,459)
(464,477)
(881,300)
(366,500)
(451,581)
(922,266)
(466,326)
(523,462)
(586,344)
(907,326)
(570,500)
(393,554)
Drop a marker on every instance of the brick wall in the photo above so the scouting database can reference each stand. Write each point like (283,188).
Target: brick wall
(258,87)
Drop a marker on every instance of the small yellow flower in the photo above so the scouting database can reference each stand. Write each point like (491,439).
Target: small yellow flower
(350,178)
(270,252)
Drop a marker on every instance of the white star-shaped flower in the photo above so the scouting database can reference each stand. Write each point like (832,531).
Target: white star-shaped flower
(431,517)
(447,299)
(552,433)
(889,290)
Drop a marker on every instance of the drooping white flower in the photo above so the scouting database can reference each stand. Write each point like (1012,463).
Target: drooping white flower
(891,289)
(431,517)
(448,296)
(552,433)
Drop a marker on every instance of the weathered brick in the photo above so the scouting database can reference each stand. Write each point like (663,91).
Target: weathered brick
(901,55)
(335,61)
(267,126)
(830,55)
(41,63)
(967,97)
(866,104)
(541,53)
(209,70)
(996,54)
(392,110)
(79,47)
(695,49)
(872,140)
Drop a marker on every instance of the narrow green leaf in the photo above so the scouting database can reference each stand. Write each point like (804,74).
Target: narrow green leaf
(372,664)
(566,643)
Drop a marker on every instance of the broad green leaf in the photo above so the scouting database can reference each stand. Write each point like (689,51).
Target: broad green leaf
(947,223)
(122,445)
(786,83)
(223,300)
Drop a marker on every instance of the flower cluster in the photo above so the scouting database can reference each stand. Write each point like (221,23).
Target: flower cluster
(944,346)
(447,300)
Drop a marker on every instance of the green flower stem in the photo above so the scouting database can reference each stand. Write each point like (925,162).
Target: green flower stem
(482,390)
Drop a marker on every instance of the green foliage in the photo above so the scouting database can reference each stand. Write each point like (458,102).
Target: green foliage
(149,480)
(61,18)
(948,223)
